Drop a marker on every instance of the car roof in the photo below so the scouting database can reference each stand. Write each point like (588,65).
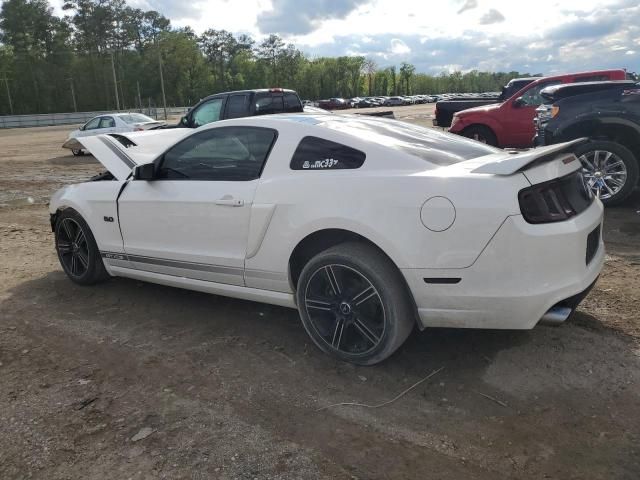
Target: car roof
(254,90)
(570,89)
(382,133)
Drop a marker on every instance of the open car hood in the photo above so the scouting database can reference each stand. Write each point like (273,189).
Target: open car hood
(120,152)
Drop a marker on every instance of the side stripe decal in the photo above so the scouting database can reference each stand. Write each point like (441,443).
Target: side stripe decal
(202,267)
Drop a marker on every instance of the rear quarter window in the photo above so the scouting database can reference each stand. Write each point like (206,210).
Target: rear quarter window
(314,153)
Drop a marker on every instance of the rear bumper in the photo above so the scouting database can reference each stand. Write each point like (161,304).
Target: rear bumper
(523,272)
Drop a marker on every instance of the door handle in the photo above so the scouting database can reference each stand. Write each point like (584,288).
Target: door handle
(229,201)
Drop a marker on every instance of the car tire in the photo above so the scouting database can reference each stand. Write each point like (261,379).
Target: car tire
(602,157)
(77,250)
(354,303)
(77,152)
(481,134)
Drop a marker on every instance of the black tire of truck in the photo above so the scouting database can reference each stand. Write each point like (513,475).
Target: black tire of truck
(481,134)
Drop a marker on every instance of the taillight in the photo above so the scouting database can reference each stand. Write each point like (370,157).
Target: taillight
(275,89)
(555,200)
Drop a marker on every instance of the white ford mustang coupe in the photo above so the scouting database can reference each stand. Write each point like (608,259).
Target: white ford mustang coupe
(367,226)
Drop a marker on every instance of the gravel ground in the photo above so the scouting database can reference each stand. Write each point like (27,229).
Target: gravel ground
(133,380)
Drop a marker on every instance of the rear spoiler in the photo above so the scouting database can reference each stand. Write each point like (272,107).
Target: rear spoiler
(514,161)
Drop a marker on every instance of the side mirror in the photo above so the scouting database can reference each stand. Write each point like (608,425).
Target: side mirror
(519,102)
(146,171)
(184,121)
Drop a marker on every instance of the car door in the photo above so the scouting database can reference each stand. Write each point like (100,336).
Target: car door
(238,106)
(89,128)
(207,112)
(521,112)
(193,219)
(107,125)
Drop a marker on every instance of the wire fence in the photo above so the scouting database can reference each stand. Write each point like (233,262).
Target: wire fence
(52,119)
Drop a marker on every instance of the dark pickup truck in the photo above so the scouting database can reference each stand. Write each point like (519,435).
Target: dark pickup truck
(446,108)
(608,113)
(242,103)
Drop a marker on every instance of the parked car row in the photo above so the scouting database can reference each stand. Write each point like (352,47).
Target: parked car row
(220,106)
(510,123)
(368,102)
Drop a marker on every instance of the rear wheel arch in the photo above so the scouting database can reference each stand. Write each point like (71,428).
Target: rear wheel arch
(321,240)
(625,135)
(317,242)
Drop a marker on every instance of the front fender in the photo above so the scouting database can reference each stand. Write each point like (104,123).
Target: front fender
(96,203)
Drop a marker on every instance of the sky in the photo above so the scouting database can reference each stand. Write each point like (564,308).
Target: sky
(538,36)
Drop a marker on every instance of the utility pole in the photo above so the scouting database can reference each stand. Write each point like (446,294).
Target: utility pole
(164,99)
(73,95)
(139,97)
(115,82)
(6,82)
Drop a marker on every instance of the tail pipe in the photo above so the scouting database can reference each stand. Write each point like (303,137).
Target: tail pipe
(556,315)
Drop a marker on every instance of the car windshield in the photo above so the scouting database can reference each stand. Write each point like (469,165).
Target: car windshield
(427,144)
(135,118)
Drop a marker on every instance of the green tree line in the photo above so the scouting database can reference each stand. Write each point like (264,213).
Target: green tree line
(104,54)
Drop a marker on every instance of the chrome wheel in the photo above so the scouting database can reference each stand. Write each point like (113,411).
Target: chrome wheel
(72,246)
(345,310)
(604,172)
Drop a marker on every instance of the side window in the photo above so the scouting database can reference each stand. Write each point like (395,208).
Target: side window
(92,124)
(238,106)
(315,153)
(532,96)
(266,103)
(207,112)
(228,153)
(292,103)
(107,122)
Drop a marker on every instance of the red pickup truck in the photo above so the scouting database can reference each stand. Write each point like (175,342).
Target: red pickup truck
(510,124)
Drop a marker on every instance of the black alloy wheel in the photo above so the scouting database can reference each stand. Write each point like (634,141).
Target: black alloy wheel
(354,303)
(77,249)
(345,309)
(73,249)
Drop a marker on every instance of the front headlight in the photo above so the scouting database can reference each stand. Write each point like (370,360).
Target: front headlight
(455,119)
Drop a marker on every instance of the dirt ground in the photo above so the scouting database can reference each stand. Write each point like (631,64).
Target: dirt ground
(131,380)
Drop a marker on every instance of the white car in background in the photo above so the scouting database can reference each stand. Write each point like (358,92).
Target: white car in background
(369,227)
(109,123)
